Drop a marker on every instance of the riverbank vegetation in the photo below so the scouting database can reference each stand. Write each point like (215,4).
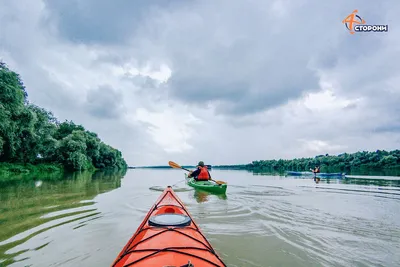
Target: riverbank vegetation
(377,160)
(33,140)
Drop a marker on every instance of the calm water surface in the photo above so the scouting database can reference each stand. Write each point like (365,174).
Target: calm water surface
(262,221)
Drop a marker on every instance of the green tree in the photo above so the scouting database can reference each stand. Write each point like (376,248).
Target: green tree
(31,134)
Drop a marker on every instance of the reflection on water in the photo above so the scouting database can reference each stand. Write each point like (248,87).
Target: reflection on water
(377,182)
(29,208)
(394,172)
(203,196)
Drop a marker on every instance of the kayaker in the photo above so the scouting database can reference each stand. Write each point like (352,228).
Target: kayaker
(201,173)
(315,171)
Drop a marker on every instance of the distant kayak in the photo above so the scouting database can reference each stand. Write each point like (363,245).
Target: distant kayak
(168,236)
(321,174)
(209,186)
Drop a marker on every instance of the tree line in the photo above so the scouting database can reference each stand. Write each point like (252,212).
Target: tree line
(32,135)
(379,159)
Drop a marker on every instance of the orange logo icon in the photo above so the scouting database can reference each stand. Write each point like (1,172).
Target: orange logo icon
(351,19)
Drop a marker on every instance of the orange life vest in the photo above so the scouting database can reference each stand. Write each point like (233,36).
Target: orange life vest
(203,175)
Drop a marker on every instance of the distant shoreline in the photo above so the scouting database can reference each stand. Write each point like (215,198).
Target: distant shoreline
(362,161)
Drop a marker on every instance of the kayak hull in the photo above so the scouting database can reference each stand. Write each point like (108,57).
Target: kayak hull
(321,174)
(208,186)
(168,236)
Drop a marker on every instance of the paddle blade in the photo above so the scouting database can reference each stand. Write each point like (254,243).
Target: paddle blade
(174,165)
(220,182)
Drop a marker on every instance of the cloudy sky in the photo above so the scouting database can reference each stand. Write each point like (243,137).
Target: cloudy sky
(226,82)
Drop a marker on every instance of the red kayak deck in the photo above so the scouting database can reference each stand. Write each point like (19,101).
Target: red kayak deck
(168,237)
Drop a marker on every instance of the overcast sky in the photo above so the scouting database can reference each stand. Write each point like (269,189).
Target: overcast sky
(225,82)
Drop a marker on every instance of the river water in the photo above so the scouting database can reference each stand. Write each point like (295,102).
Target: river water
(262,220)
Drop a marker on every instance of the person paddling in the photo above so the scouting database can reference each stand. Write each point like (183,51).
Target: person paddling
(315,171)
(201,173)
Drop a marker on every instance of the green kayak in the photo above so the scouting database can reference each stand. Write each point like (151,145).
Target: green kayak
(209,186)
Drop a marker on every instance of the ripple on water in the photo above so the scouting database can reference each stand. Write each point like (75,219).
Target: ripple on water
(266,193)
(14,248)
(68,218)
(67,212)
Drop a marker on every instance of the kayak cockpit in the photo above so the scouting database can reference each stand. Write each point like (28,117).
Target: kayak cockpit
(170,219)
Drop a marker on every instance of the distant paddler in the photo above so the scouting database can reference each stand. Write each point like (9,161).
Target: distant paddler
(315,171)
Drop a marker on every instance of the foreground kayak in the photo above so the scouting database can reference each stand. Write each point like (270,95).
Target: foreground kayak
(321,174)
(209,186)
(168,236)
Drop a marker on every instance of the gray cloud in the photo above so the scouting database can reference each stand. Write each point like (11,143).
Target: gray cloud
(389,128)
(213,55)
(245,57)
(145,82)
(100,21)
(104,102)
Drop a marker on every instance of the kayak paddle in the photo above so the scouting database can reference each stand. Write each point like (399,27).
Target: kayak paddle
(177,166)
